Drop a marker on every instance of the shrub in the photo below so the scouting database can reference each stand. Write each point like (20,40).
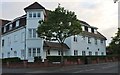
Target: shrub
(37,59)
(14,59)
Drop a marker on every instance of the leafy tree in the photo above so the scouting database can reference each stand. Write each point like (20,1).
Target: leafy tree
(114,46)
(60,24)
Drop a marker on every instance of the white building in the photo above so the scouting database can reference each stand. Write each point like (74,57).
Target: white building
(19,38)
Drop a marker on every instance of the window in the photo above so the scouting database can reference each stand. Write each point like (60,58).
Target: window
(83,53)
(8,54)
(2,29)
(96,41)
(2,42)
(30,15)
(38,51)
(38,15)
(76,52)
(17,23)
(34,15)
(101,41)
(89,40)
(7,27)
(96,53)
(30,33)
(29,52)
(86,28)
(34,33)
(48,52)
(90,53)
(15,53)
(102,53)
(59,52)
(14,25)
(92,30)
(34,52)
(75,38)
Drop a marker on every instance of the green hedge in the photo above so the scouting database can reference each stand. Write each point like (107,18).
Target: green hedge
(14,59)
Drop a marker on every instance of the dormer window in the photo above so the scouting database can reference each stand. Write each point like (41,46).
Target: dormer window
(86,28)
(34,15)
(92,30)
(7,27)
(38,14)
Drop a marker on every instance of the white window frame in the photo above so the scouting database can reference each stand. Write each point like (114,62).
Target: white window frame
(75,52)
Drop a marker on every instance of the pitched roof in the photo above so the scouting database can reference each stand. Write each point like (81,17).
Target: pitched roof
(54,45)
(35,5)
(3,22)
(98,35)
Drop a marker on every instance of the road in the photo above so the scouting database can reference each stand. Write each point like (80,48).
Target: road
(111,67)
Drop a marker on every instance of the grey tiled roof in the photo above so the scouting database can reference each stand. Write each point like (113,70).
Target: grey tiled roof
(54,45)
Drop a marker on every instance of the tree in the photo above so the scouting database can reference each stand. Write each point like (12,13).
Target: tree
(114,46)
(60,24)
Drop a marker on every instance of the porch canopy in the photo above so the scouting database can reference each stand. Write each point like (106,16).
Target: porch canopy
(55,46)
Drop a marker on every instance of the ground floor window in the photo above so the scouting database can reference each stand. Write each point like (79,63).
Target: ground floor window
(2,55)
(96,53)
(102,53)
(59,52)
(76,52)
(83,53)
(90,53)
(8,54)
(32,52)
(15,53)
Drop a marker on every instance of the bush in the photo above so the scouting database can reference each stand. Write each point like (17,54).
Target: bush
(14,59)
(37,59)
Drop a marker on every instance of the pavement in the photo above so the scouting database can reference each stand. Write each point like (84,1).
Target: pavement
(111,67)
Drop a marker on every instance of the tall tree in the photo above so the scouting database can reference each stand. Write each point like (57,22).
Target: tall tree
(114,46)
(60,24)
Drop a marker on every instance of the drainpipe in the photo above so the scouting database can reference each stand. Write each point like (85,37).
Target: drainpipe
(25,46)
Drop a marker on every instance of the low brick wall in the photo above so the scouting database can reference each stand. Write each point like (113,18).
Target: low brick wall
(26,64)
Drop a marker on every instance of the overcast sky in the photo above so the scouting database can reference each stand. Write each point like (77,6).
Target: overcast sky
(99,13)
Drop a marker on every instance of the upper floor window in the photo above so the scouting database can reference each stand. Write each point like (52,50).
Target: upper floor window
(75,38)
(38,15)
(34,15)
(92,30)
(2,29)
(96,41)
(89,40)
(76,52)
(32,33)
(7,27)
(3,42)
(86,28)
(101,41)
(59,52)
(48,52)
(30,15)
